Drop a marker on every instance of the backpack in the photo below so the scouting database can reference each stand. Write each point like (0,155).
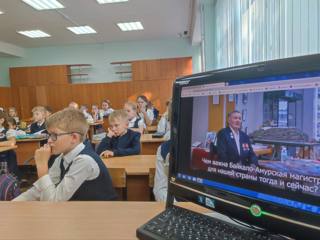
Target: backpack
(9,187)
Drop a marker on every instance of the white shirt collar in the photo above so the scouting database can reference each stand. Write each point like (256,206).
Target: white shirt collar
(234,132)
(68,158)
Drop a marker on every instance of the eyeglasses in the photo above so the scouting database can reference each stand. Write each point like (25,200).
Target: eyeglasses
(54,136)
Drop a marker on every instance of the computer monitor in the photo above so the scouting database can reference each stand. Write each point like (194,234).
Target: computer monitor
(267,173)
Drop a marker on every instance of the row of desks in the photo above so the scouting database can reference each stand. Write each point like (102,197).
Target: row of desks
(137,169)
(27,147)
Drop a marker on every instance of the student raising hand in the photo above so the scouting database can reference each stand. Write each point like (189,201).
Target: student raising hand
(41,157)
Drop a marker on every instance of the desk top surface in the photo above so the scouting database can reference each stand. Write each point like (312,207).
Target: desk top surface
(3,149)
(96,123)
(134,164)
(77,220)
(30,140)
(146,138)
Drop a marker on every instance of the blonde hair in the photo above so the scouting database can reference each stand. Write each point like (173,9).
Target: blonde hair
(133,105)
(118,114)
(38,109)
(69,120)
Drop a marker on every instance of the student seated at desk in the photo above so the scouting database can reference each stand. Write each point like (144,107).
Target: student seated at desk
(77,173)
(164,123)
(120,141)
(13,130)
(145,110)
(106,108)
(12,112)
(6,141)
(135,122)
(160,188)
(39,118)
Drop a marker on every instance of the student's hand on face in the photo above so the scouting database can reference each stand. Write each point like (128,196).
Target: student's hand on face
(42,156)
(107,154)
(144,107)
(110,133)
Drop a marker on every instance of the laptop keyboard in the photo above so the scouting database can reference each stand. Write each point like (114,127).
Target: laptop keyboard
(179,223)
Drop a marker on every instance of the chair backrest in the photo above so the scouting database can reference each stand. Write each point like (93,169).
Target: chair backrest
(152,172)
(118,176)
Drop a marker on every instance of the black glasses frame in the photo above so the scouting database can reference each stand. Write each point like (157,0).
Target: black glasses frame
(54,136)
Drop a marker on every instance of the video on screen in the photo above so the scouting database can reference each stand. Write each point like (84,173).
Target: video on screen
(270,138)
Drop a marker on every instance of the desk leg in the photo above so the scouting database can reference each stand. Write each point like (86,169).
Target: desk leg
(138,188)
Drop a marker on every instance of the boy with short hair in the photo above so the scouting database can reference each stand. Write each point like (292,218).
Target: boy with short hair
(39,118)
(77,172)
(120,141)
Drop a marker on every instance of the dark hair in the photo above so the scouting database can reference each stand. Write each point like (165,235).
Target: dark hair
(12,121)
(145,99)
(48,109)
(234,111)
(107,101)
(5,117)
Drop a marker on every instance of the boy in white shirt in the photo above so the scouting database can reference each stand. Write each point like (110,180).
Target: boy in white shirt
(77,173)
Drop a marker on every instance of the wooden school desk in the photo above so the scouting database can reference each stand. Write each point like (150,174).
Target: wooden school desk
(149,145)
(77,220)
(3,149)
(137,170)
(151,129)
(26,149)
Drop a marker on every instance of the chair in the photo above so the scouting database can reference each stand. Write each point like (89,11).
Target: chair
(119,181)
(152,173)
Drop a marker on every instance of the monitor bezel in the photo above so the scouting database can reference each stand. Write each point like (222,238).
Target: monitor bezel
(282,219)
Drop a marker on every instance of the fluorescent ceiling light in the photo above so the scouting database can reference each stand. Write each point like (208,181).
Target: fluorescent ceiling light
(111,1)
(34,34)
(44,4)
(1,12)
(130,26)
(82,30)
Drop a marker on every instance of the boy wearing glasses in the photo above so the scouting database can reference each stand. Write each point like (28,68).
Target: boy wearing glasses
(120,141)
(77,172)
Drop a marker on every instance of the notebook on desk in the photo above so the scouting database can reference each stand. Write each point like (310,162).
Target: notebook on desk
(158,135)
(272,203)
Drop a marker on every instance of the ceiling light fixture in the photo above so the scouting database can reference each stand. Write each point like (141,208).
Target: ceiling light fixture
(34,34)
(1,12)
(44,4)
(130,26)
(82,30)
(111,1)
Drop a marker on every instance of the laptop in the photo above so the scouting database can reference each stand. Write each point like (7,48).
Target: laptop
(270,197)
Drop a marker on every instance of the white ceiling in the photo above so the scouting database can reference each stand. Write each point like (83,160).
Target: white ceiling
(162,19)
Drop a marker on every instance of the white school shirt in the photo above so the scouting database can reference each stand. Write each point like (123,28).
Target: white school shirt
(83,168)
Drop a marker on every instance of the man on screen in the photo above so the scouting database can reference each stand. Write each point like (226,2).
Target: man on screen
(233,145)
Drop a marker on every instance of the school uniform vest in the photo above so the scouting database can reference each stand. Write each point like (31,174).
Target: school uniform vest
(98,189)
(136,122)
(165,149)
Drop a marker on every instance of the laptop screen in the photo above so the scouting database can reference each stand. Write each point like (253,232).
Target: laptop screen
(246,141)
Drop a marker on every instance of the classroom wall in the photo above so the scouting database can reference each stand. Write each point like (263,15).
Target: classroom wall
(254,109)
(200,119)
(100,56)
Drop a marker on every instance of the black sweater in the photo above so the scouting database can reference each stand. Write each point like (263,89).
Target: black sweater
(127,144)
